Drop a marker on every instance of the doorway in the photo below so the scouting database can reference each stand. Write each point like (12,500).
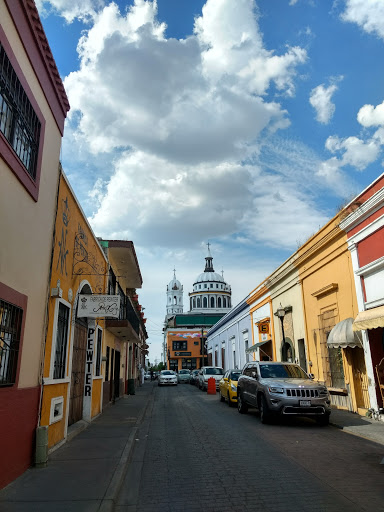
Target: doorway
(78,371)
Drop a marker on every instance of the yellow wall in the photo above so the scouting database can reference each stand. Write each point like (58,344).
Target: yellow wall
(326,275)
(56,430)
(77,257)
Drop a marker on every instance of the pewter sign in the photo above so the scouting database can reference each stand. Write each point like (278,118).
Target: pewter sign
(95,306)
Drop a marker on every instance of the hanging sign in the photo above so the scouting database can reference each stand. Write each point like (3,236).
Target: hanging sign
(95,306)
(264,328)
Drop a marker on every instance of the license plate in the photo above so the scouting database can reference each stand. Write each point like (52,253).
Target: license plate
(305,403)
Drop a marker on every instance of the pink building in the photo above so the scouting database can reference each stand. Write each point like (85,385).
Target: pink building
(365,231)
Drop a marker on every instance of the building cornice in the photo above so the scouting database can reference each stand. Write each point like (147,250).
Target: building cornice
(371,205)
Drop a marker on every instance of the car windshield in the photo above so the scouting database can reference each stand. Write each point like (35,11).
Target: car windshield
(167,372)
(234,375)
(214,371)
(183,372)
(282,371)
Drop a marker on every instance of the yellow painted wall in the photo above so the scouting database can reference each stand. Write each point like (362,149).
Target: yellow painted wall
(56,430)
(96,393)
(76,258)
(326,275)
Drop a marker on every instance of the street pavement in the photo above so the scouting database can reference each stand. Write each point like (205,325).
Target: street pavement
(179,450)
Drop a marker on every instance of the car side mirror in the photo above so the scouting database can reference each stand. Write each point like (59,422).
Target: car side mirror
(225,379)
(254,375)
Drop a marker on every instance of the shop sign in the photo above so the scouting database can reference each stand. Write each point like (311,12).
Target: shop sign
(264,328)
(95,306)
(183,353)
(89,362)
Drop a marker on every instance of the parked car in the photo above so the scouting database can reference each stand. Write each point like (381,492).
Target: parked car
(194,377)
(167,377)
(282,389)
(147,376)
(209,371)
(228,386)
(183,376)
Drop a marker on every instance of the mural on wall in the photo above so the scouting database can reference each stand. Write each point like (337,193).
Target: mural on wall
(188,334)
(85,261)
(63,251)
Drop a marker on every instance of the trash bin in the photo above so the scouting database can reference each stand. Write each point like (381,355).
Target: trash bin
(131,386)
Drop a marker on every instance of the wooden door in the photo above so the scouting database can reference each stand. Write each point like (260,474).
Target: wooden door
(360,378)
(78,373)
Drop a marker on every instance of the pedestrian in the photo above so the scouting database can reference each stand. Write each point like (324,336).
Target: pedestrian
(151,373)
(142,375)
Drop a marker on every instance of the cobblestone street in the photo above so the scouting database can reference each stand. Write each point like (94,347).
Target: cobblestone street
(195,453)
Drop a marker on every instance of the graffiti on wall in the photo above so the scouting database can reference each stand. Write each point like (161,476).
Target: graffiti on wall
(85,261)
(63,251)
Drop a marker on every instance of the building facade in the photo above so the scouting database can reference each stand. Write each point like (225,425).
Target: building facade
(33,107)
(364,226)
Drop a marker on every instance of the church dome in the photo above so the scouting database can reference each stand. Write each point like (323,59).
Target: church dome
(174,284)
(205,277)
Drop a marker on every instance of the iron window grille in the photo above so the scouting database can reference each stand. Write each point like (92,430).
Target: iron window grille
(10,330)
(98,352)
(61,342)
(18,121)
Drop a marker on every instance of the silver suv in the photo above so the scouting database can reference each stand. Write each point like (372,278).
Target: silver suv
(282,388)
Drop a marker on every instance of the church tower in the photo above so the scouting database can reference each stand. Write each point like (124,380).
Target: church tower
(174,296)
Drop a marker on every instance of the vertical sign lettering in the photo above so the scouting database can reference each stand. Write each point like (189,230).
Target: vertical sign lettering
(89,362)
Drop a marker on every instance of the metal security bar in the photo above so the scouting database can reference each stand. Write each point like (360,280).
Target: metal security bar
(10,329)
(18,121)
(61,342)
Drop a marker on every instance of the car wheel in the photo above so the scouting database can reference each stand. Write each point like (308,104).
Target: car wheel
(222,399)
(242,407)
(265,414)
(323,420)
(229,401)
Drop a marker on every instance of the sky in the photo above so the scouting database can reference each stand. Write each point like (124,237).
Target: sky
(245,123)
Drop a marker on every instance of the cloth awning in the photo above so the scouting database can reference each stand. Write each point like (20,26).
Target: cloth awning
(369,319)
(342,335)
(254,347)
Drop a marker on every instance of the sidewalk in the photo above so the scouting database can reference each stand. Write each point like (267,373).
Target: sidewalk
(84,475)
(361,426)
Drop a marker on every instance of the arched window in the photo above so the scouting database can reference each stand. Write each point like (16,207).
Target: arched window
(169,300)
(224,302)
(175,300)
(194,303)
(212,302)
(205,302)
(198,302)
(219,302)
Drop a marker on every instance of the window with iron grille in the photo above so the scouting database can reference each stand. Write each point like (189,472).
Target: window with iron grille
(111,282)
(61,342)
(18,121)
(98,352)
(10,329)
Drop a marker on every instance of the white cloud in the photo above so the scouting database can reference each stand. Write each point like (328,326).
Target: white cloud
(368,14)
(145,86)
(70,9)
(320,99)
(369,115)
(356,152)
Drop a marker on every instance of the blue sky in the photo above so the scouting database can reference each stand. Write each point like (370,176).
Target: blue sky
(247,123)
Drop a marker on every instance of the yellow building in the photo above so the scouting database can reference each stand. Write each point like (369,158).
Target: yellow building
(73,379)
(330,305)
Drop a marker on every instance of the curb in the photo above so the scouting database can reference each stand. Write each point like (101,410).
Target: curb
(108,502)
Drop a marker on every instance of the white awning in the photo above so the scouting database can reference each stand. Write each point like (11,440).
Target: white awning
(369,319)
(254,347)
(342,335)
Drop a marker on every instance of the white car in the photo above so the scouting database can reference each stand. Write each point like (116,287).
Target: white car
(167,377)
(210,371)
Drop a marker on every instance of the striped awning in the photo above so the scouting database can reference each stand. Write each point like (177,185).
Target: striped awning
(369,319)
(342,335)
